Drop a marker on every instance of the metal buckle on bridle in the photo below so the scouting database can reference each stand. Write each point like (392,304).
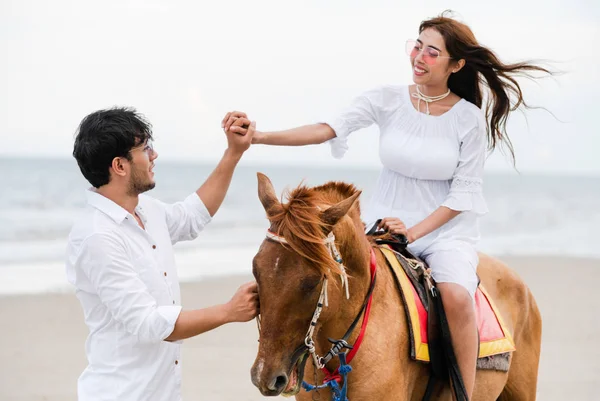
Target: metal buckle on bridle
(338,346)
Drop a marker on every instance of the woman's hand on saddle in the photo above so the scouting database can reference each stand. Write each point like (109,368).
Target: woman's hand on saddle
(396,226)
(244,304)
(392,225)
(237,122)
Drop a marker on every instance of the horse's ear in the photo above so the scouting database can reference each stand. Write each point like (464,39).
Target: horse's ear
(266,192)
(334,213)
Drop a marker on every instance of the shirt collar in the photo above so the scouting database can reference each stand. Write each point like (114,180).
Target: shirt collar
(140,212)
(106,206)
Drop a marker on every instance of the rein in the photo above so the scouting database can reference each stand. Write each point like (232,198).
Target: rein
(366,309)
(332,379)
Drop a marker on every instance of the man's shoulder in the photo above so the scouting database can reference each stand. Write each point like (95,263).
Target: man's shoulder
(151,206)
(92,225)
(90,222)
(145,200)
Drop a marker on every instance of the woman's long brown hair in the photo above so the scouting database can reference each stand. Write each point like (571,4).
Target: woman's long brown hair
(484,69)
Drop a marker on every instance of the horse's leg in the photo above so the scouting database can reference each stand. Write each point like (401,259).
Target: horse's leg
(522,376)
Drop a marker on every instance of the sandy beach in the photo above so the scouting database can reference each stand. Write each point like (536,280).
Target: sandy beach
(42,339)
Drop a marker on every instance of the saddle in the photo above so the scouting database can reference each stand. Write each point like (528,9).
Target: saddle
(442,359)
(430,339)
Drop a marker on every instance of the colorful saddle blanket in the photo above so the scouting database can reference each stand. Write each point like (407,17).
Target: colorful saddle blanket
(494,337)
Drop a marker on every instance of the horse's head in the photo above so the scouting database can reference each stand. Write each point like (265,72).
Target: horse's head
(291,267)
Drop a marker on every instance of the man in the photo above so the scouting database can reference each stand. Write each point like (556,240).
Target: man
(120,260)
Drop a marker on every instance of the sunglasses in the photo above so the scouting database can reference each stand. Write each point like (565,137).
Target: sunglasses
(430,54)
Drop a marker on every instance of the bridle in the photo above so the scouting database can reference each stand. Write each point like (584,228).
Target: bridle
(338,345)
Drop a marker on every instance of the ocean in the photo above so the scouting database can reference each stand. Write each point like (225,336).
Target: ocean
(40,199)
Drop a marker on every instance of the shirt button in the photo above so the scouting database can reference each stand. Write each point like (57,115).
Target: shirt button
(173,302)
(165,274)
(176,362)
(153,246)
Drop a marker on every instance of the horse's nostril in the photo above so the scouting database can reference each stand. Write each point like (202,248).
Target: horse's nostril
(279,383)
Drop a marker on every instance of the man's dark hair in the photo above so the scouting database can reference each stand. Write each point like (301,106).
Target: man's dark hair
(104,135)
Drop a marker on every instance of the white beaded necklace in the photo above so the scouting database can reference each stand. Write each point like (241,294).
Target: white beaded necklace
(427,99)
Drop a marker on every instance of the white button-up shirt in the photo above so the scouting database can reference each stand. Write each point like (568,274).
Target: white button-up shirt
(126,281)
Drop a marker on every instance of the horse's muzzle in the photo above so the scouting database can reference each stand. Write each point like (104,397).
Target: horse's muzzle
(269,384)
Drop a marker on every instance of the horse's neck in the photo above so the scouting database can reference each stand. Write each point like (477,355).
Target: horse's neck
(387,331)
(356,253)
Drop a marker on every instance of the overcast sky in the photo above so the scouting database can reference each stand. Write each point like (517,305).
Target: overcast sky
(184,64)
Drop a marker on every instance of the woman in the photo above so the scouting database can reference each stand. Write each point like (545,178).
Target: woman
(433,137)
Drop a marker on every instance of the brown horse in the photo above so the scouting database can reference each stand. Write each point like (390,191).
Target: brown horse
(291,267)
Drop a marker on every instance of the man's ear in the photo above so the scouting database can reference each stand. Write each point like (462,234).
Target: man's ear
(118,166)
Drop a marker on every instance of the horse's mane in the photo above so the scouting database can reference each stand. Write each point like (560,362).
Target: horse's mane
(299,223)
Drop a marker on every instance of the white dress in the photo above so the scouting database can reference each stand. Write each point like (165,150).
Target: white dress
(428,162)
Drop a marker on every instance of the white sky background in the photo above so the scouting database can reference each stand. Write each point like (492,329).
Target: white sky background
(184,64)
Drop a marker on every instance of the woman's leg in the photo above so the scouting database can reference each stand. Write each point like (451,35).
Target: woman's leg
(454,270)
(460,313)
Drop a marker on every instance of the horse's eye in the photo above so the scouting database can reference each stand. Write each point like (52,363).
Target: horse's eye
(309,283)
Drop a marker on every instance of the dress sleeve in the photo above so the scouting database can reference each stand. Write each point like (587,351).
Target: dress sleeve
(361,113)
(466,192)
